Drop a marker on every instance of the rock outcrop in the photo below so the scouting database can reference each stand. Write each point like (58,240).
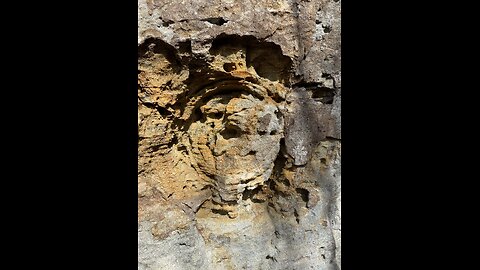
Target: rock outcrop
(239,134)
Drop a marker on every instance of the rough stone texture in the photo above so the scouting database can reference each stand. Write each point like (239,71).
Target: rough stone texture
(239,134)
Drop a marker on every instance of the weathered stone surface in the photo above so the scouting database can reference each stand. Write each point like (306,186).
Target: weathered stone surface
(239,134)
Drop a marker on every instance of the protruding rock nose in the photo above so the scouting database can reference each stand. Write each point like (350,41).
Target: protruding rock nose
(237,113)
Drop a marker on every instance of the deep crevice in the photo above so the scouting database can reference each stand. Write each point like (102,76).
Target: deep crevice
(228,67)
(206,187)
(303,194)
(296,216)
(163,111)
(217,20)
(167,23)
(268,257)
(251,194)
(230,132)
(220,212)
(323,94)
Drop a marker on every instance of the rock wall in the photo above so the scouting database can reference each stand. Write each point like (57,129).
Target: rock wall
(239,134)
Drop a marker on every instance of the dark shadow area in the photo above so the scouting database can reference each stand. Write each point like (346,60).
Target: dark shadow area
(266,57)
(152,46)
(217,20)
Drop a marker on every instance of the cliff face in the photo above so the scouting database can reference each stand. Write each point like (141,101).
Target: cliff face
(239,134)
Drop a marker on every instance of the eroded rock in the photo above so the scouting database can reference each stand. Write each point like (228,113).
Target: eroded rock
(239,135)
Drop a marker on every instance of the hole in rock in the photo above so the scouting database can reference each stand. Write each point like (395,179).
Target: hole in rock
(228,67)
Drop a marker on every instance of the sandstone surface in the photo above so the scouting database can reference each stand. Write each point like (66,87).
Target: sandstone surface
(239,134)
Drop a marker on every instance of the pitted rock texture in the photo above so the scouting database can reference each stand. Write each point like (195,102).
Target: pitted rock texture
(239,135)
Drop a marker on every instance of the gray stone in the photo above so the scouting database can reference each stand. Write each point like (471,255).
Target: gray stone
(239,120)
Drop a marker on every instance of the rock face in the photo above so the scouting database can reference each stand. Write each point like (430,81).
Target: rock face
(239,134)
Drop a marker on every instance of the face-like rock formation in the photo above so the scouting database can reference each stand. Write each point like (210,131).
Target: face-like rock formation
(235,140)
(239,135)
